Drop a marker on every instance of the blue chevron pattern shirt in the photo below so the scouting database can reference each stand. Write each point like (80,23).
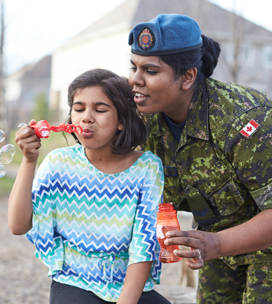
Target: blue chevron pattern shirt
(89,226)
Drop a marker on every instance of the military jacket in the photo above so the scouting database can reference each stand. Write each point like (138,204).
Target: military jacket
(221,169)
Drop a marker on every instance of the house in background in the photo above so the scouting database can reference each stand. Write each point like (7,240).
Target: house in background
(22,87)
(246,56)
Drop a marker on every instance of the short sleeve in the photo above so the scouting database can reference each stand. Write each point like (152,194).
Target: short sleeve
(144,245)
(49,248)
(252,156)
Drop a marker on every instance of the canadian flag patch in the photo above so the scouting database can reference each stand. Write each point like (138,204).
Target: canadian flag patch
(250,128)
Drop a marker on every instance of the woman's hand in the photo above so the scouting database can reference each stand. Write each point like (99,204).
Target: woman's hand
(251,236)
(28,142)
(205,246)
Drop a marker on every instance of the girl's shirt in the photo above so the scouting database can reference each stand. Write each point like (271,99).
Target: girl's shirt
(89,226)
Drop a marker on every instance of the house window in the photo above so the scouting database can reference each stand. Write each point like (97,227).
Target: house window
(267,57)
(246,54)
(229,51)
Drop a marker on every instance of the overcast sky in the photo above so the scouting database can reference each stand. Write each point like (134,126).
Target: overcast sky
(35,28)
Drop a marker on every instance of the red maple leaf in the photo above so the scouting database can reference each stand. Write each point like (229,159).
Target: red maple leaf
(249,129)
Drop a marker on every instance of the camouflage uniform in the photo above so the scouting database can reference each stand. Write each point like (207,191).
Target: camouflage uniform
(221,176)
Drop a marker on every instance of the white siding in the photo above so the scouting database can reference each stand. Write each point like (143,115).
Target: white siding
(107,51)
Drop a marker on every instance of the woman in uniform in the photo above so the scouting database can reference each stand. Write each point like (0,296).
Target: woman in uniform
(215,142)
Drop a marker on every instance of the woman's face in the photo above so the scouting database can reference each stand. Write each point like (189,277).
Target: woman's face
(155,86)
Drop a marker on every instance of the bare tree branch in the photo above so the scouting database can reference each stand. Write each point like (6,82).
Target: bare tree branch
(3,116)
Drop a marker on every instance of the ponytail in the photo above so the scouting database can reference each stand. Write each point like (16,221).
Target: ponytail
(204,59)
(210,53)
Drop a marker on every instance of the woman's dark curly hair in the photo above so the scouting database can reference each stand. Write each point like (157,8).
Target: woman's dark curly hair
(117,89)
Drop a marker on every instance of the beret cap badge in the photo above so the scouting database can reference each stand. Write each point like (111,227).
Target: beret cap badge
(146,39)
(166,34)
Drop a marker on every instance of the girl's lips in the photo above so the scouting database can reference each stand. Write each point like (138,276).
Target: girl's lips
(87,132)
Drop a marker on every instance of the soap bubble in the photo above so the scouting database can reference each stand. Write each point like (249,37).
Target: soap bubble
(2,136)
(22,124)
(6,154)
(2,170)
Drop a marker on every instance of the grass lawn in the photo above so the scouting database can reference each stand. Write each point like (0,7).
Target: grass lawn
(54,141)
(6,184)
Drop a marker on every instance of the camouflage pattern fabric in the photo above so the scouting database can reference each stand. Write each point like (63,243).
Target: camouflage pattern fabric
(221,176)
(218,283)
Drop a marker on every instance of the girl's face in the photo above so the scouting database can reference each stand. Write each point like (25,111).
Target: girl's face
(96,114)
(154,85)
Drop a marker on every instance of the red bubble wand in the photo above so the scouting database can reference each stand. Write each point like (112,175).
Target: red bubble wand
(42,128)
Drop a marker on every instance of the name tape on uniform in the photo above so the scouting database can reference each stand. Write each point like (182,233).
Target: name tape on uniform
(250,128)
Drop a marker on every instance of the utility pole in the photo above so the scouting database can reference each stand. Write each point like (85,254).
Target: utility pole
(3,112)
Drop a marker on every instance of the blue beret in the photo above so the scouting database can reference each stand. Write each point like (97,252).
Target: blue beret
(166,34)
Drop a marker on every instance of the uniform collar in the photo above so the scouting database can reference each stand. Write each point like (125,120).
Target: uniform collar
(197,118)
(159,128)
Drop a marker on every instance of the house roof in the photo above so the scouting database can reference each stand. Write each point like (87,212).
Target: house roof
(212,19)
(40,69)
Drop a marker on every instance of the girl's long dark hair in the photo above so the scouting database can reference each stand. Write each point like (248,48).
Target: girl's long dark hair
(117,89)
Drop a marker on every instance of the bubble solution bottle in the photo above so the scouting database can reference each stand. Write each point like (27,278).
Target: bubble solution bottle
(167,221)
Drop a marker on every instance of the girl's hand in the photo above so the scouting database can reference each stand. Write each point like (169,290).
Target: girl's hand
(28,142)
(205,246)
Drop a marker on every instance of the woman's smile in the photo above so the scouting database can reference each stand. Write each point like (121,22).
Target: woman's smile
(139,98)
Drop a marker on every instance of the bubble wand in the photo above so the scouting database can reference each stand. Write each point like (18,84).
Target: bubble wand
(42,128)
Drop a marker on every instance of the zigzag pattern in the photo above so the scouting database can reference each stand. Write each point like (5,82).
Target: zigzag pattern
(88,226)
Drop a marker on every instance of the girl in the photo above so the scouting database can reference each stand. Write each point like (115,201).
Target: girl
(91,209)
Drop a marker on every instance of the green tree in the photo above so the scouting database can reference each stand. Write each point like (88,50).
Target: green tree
(41,109)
